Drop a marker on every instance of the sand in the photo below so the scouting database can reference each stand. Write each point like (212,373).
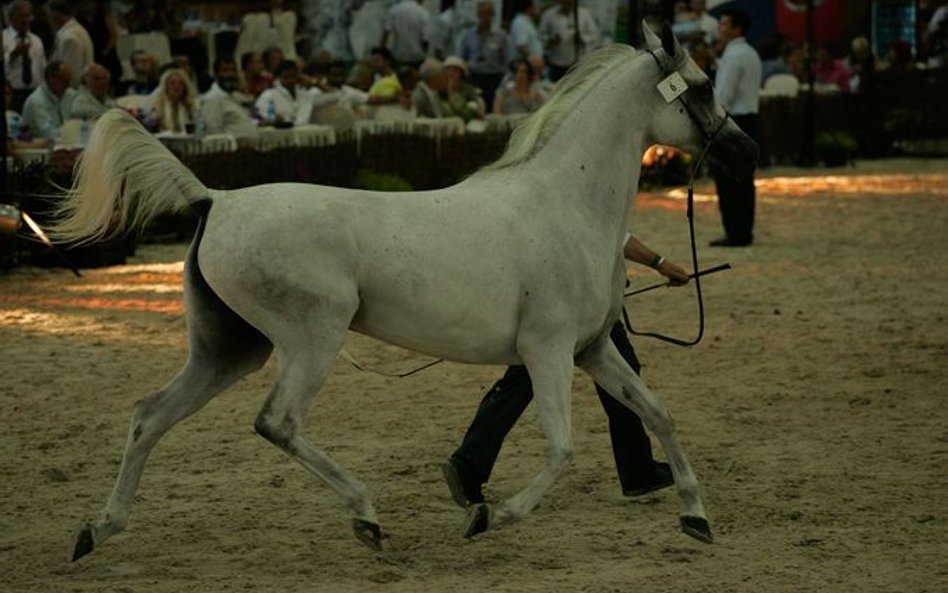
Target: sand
(813,413)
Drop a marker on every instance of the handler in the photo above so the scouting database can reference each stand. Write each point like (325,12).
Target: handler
(470,465)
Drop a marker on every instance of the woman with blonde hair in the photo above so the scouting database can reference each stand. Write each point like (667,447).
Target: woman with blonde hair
(174,102)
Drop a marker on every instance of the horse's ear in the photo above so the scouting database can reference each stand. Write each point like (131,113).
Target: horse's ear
(651,39)
(669,42)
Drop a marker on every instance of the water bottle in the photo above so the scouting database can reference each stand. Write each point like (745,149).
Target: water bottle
(13,126)
(271,112)
(84,130)
(199,124)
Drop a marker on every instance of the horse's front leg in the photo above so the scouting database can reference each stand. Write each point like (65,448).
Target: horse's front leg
(551,371)
(607,368)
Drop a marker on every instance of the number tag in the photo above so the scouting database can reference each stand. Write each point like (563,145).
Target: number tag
(672,87)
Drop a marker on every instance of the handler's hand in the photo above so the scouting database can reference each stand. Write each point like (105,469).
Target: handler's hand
(676,275)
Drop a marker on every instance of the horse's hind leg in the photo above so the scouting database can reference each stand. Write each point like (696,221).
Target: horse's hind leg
(606,366)
(306,357)
(224,348)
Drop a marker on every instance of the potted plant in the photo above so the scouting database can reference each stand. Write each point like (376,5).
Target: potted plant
(835,148)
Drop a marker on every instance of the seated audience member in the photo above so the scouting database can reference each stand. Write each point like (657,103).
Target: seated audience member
(174,102)
(272,58)
(386,88)
(899,56)
(144,75)
(285,102)
(830,71)
(772,58)
(255,75)
(862,62)
(427,94)
(461,98)
(520,95)
(334,102)
(92,99)
(14,137)
(222,113)
(47,107)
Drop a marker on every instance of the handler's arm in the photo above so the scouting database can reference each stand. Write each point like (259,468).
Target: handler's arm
(640,253)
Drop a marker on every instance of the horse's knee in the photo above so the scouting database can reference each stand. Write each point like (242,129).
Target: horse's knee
(561,457)
(278,430)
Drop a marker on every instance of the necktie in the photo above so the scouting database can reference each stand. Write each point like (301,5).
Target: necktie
(27,66)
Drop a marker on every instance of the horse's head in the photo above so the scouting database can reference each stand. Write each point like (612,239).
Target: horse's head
(691,117)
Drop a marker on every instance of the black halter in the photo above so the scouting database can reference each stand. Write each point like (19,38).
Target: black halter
(709,138)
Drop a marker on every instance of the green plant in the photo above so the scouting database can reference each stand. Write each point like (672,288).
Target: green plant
(835,147)
(370,180)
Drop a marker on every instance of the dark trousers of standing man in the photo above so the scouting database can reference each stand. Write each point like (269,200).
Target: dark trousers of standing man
(508,398)
(737,197)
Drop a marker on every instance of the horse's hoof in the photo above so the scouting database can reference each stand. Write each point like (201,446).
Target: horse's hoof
(698,528)
(84,543)
(477,520)
(368,533)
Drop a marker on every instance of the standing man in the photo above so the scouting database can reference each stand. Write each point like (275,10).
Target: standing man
(484,48)
(564,46)
(407,26)
(524,40)
(737,89)
(23,55)
(73,46)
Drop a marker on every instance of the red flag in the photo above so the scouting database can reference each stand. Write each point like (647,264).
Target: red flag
(827,22)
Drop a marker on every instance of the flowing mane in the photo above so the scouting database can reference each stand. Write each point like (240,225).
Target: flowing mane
(533,133)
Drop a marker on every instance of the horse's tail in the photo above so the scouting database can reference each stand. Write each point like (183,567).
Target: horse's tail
(123,179)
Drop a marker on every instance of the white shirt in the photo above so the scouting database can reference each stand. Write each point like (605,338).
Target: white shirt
(288,108)
(14,66)
(554,24)
(737,83)
(73,46)
(408,26)
(224,115)
(523,33)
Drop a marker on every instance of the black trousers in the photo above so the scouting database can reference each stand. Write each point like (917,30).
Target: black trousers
(508,398)
(488,84)
(737,197)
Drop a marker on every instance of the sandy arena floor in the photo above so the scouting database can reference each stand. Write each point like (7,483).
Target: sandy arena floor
(814,413)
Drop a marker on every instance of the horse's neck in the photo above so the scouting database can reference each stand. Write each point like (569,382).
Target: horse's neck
(594,158)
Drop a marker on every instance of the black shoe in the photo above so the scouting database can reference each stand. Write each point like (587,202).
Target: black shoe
(465,489)
(661,477)
(728,242)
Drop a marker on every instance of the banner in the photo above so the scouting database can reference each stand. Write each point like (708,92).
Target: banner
(827,20)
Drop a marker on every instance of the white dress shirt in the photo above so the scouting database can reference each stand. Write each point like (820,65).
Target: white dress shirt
(408,26)
(737,83)
(555,24)
(288,108)
(224,115)
(523,33)
(14,66)
(73,47)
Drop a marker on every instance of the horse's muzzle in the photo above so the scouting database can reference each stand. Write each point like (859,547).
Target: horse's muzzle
(734,153)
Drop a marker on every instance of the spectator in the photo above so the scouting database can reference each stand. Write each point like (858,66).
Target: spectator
(14,119)
(522,94)
(446,31)
(335,105)
(707,24)
(24,58)
(407,26)
(41,26)
(524,40)
(222,113)
(174,102)
(703,56)
(92,99)
(96,17)
(386,88)
(73,45)
(285,103)
(255,75)
(275,27)
(862,63)
(427,94)
(737,89)
(484,48)
(147,16)
(144,75)
(937,33)
(461,98)
(772,58)
(46,108)
(564,45)
(829,71)
(272,58)
(899,57)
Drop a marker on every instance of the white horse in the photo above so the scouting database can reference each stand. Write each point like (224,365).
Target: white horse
(518,264)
